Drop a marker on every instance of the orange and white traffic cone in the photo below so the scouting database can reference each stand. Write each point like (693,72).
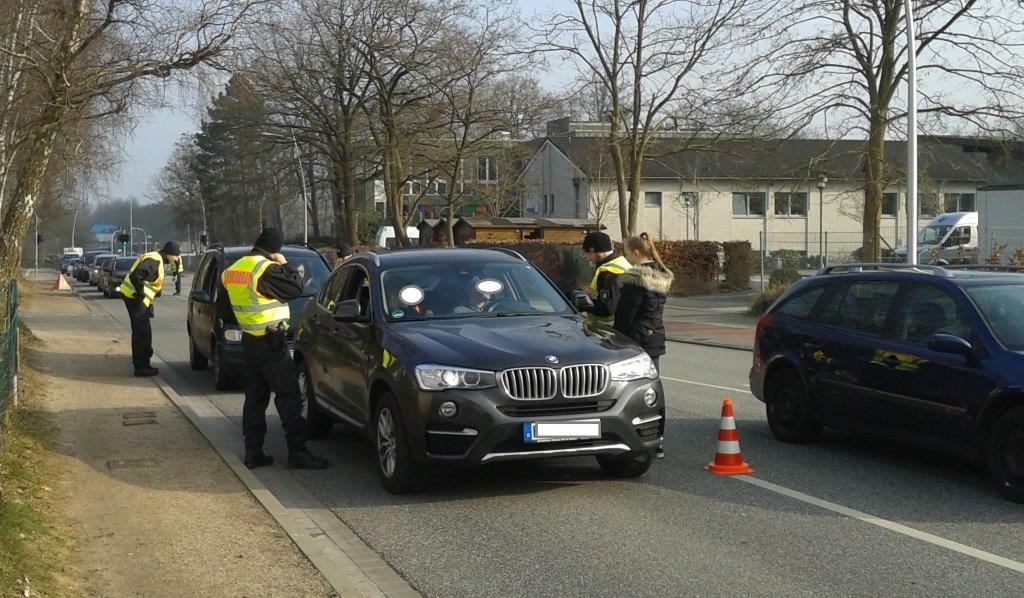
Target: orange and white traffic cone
(728,460)
(61,284)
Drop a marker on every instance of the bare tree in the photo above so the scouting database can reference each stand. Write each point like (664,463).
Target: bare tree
(177,186)
(852,57)
(91,60)
(403,44)
(652,58)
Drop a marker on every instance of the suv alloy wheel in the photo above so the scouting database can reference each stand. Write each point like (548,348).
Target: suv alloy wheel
(317,422)
(394,463)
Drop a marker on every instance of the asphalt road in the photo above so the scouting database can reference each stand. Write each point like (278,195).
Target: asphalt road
(559,528)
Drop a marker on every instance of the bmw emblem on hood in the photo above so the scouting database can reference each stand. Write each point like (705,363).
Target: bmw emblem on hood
(551,359)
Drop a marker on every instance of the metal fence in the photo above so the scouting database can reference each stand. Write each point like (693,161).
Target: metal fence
(8,349)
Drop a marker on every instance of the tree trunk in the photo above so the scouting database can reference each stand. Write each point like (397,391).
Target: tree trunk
(314,209)
(874,183)
(23,198)
(348,180)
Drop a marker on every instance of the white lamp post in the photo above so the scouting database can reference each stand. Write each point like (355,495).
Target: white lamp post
(911,134)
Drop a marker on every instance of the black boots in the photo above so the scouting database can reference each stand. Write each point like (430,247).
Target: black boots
(256,458)
(147,371)
(303,459)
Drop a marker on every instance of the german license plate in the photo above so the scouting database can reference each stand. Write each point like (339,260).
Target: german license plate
(561,430)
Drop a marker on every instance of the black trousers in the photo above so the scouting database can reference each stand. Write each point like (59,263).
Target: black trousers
(177,284)
(142,332)
(268,368)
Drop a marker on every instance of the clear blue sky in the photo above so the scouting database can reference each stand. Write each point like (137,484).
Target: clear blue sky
(148,147)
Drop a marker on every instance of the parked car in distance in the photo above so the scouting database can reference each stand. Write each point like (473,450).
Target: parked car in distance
(385,236)
(213,331)
(930,354)
(97,268)
(458,358)
(114,271)
(81,272)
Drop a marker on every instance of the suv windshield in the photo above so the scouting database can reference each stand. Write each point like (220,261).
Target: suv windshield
(469,289)
(931,235)
(1002,306)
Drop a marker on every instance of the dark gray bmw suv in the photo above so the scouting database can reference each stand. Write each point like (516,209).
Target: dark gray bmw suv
(464,357)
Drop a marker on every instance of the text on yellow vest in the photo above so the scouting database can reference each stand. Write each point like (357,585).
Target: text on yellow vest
(255,312)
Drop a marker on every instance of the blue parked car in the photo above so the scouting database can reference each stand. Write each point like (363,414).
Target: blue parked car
(928,353)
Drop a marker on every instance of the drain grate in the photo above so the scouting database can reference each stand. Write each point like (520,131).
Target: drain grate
(138,418)
(131,463)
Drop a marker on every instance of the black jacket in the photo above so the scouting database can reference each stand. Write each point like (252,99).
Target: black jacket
(278,282)
(640,311)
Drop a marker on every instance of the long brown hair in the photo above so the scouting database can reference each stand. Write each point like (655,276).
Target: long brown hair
(643,245)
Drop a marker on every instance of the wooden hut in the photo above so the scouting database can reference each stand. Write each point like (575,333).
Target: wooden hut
(567,230)
(493,229)
(427,227)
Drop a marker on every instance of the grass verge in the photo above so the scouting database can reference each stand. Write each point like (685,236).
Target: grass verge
(34,543)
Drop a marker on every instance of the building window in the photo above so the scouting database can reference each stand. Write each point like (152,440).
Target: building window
(652,199)
(928,204)
(748,204)
(441,187)
(958,202)
(486,170)
(791,204)
(890,204)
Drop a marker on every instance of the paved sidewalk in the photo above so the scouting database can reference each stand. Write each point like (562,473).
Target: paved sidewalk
(155,510)
(719,320)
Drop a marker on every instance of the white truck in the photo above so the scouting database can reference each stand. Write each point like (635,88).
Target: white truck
(385,236)
(1001,221)
(950,238)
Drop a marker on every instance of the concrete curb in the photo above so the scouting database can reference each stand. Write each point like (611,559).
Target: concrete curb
(350,566)
(713,344)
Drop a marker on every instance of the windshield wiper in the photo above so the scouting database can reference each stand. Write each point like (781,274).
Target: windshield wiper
(509,314)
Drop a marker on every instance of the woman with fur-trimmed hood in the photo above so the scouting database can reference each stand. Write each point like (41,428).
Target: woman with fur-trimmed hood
(644,290)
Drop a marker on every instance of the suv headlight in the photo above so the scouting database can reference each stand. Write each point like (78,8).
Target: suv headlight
(439,377)
(634,368)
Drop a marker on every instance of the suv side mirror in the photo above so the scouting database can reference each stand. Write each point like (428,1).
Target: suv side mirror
(348,310)
(582,301)
(201,296)
(949,343)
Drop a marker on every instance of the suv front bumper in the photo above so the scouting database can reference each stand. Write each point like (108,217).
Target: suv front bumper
(488,427)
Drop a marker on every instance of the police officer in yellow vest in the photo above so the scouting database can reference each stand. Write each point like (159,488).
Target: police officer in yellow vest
(259,286)
(604,290)
(140,286)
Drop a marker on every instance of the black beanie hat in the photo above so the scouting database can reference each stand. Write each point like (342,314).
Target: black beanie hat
(597,241)
(270,240)
(343,249)
(171,248)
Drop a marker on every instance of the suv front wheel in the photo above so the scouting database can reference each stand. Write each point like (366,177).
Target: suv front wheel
(789,410)
(397,471)
(1006,454)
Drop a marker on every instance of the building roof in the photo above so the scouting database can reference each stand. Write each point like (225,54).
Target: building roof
(987,161)
(579,223)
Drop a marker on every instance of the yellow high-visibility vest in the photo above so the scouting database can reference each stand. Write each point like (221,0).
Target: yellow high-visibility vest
(616,266)
(255,312)
(149,289)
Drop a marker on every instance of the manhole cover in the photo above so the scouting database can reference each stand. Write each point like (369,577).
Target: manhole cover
(137,414)
(131,463)
(139,422)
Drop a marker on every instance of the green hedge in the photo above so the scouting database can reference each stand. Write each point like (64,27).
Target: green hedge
(737,264)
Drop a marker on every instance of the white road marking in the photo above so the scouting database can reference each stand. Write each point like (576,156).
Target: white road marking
(695,383)
(988,557)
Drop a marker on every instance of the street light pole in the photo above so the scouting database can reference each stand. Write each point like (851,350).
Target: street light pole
(822,181)
(911,134)
(305,200)
(74,225)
